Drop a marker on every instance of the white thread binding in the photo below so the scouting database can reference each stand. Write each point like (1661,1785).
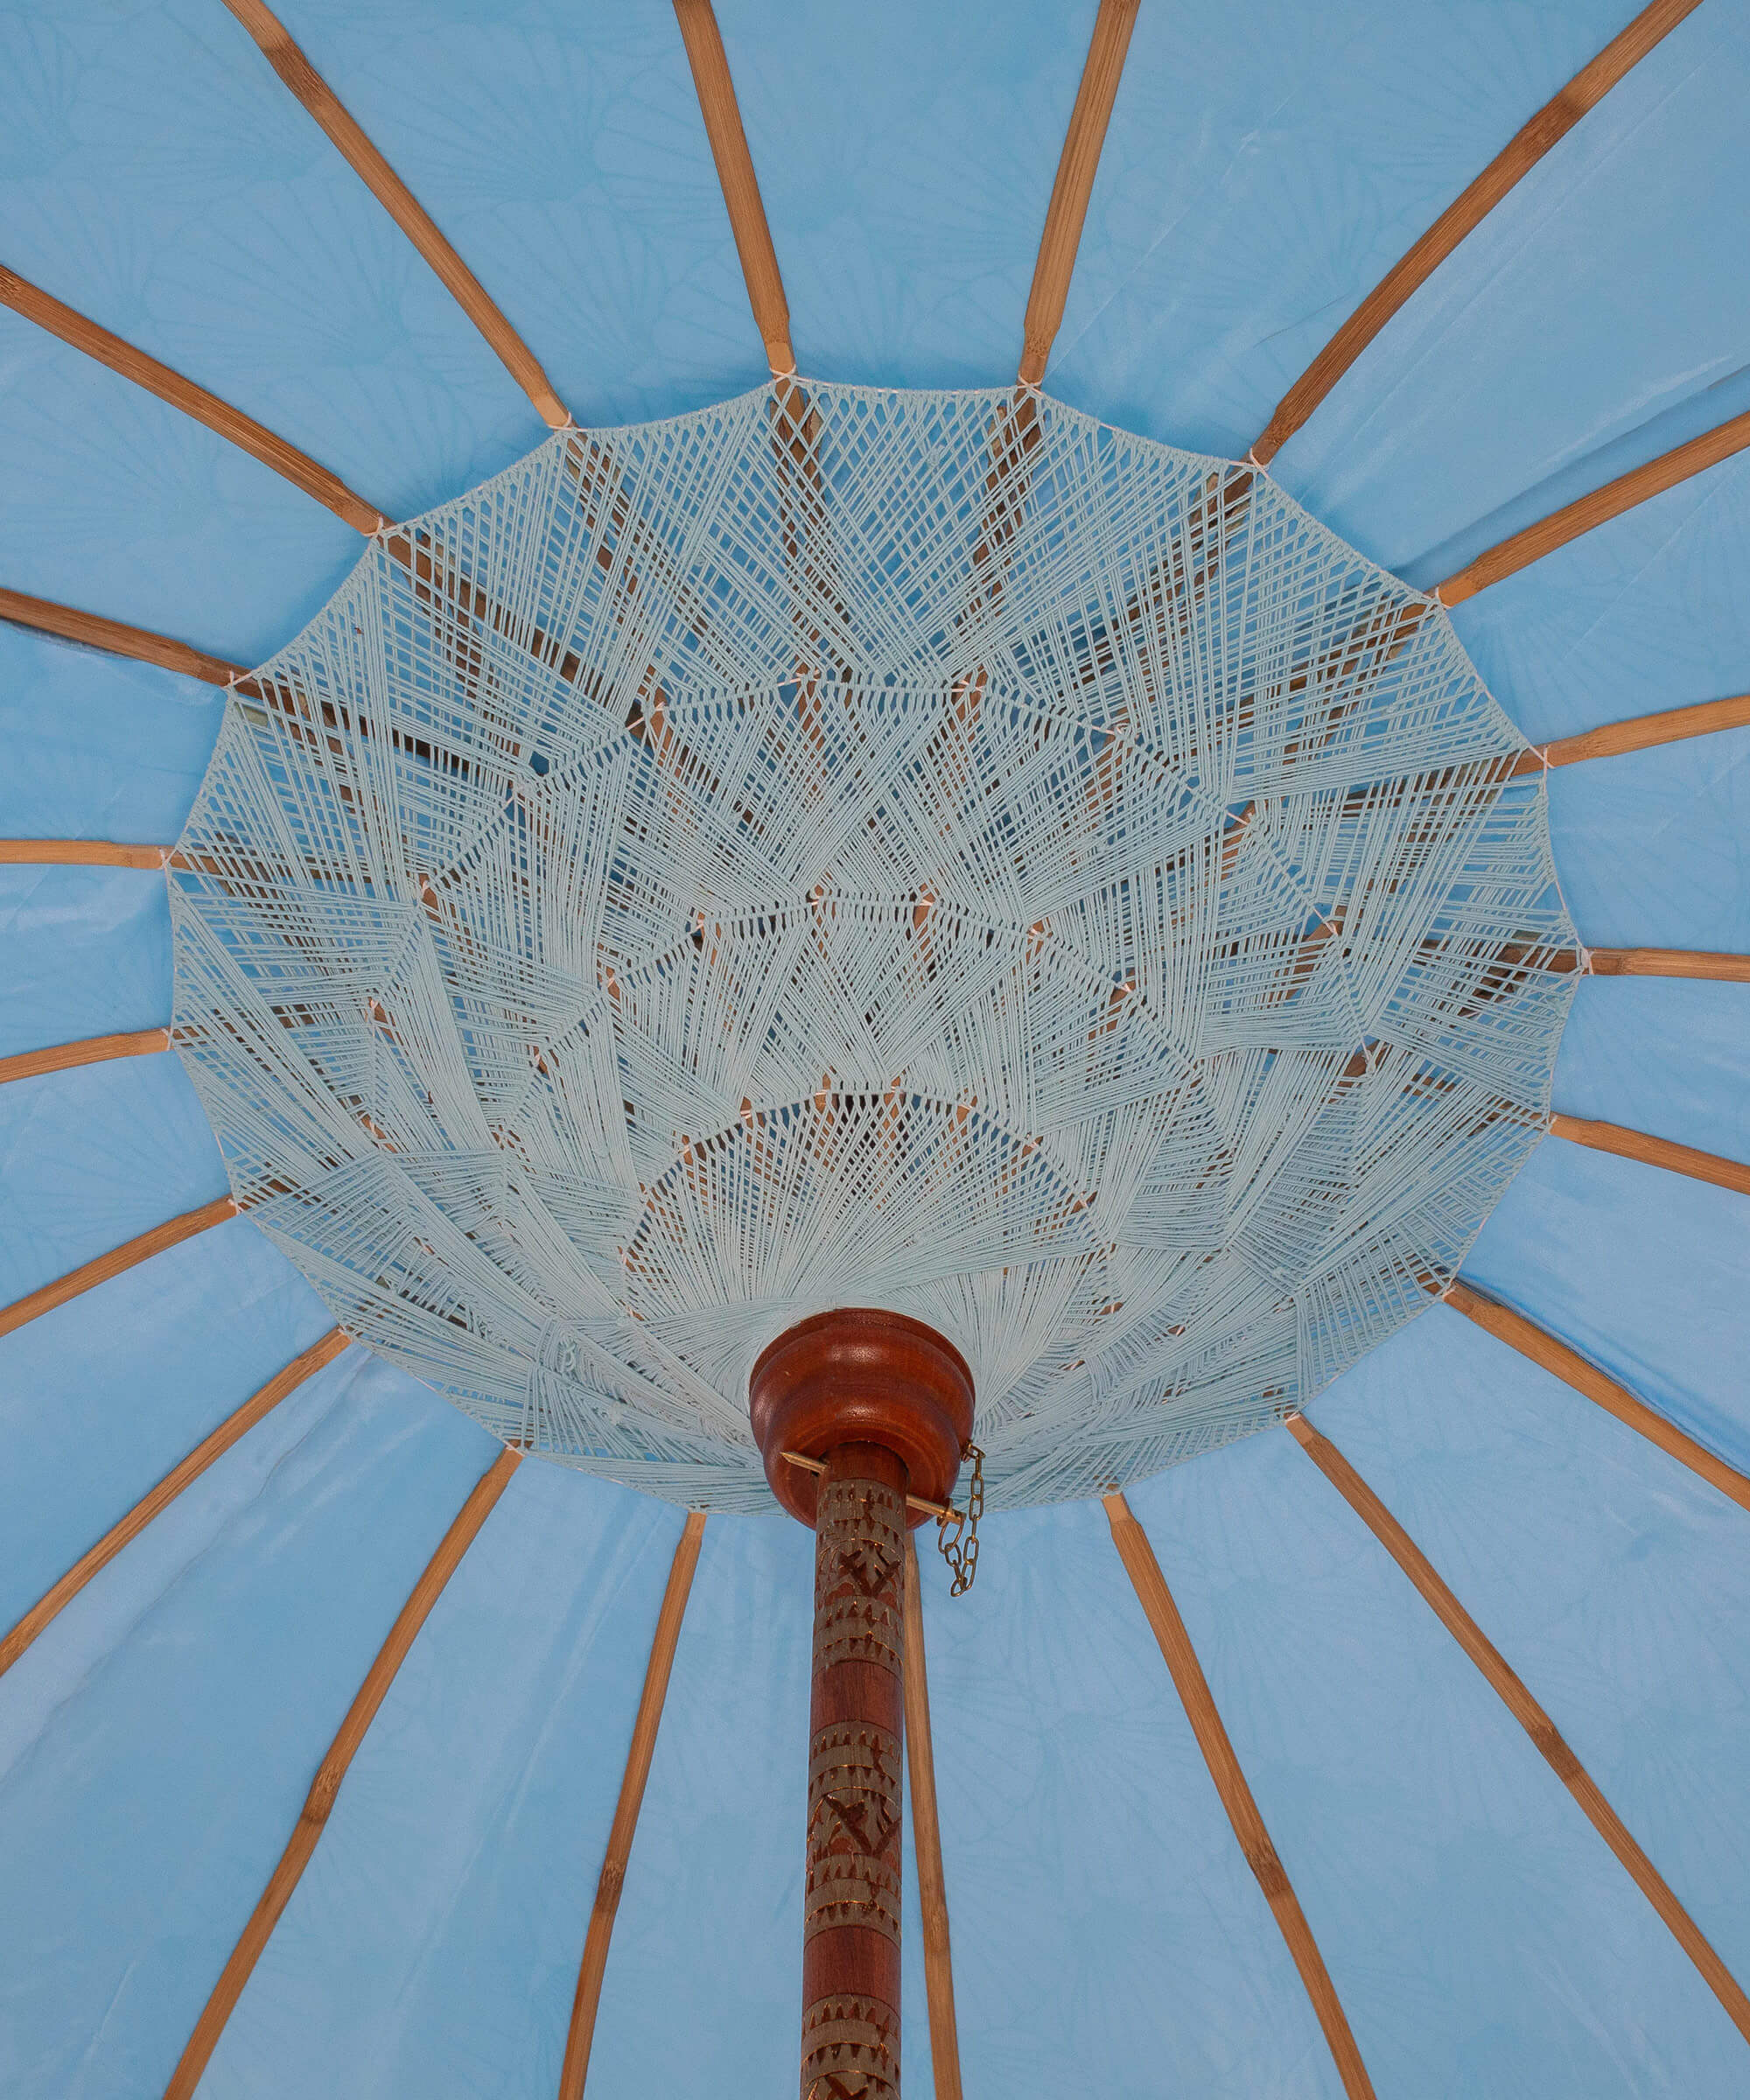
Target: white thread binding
(942,874)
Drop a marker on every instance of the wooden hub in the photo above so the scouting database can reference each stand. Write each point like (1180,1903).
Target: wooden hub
(886,1405)
(860,1376)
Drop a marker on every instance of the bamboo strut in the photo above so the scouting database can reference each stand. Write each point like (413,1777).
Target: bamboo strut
(55,1601)
(1667,963)
(78,853)
(1077,165)
(944,2029)
(114,637)
(1156,1600)
(1567,1364)
(1644,733)
(1654,1152)
(244,431)
(320,99)
(104,1266)
(735,175)
(140,645)
(1508,1687)
(1587,513)
(307,1831)
(93,1050)
(593,1968)
(1639,732)
(1467,210)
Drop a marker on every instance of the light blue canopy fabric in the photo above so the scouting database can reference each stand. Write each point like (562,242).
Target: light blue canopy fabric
(1266,163)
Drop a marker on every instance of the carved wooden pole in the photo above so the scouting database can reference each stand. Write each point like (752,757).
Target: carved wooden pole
(851,1901)
(887,1404)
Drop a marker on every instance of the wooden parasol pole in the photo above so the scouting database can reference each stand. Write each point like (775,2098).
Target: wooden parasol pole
(886,1404)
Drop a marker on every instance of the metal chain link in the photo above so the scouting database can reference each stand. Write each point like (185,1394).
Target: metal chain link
(960,1546)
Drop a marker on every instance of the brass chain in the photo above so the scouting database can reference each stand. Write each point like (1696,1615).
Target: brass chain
(960,1545)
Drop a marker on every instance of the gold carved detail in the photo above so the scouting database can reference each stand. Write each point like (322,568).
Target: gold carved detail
(850,2050)
(859,1559)
(854,1808)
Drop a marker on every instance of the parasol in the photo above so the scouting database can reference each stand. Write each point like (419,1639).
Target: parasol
(776,759)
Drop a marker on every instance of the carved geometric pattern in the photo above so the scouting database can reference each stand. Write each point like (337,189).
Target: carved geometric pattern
(859,1555)
(850,2050)
(855,1807)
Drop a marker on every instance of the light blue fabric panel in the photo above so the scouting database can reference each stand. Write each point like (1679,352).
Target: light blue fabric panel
(174,1770)
(1654,848)
(1645,1271)
(432,1945)
(1264,168)
(1720,404)
(1648,612)
(1596,284)
(1614,1581)
(905,155)
(1108,1936)
(562,149)
(84,1637)
(1660,1054)
(83,951)
(119,504)
(101,1397)
(90,1157)
(705,1978)
(161,180)
(97,747)
(1479,1933)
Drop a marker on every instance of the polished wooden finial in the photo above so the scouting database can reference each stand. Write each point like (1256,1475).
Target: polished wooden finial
(859,1376)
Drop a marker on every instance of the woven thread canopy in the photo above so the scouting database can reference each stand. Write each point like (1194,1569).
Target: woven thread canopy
(852,848)
(1400,1749)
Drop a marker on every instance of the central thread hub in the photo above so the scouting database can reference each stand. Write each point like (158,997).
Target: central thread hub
(1045,883)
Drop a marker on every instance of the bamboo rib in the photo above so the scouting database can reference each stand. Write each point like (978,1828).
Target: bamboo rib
(1667,963)
(1156,1599)
(92,1050)
(735,175)
(89,1274)
(1644,733)
(55,1601)
(1586,513)
(114,637)
(239,429)
(78,853)
(1508,1688)
(1639,732)
(1467,212)
(1567,1364)
(288,62)
(307,1833)
(593,1968)
(1077,167)
(1654,1152)
(944,2028)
